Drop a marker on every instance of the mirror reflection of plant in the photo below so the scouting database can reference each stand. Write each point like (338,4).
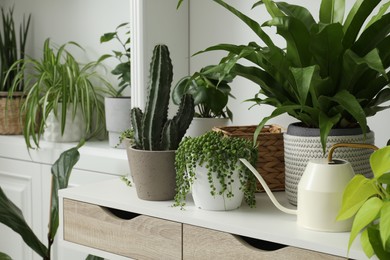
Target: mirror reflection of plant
(122,70)
(10,49)
(368,201)
(219,154)
(210,90)
(58,79)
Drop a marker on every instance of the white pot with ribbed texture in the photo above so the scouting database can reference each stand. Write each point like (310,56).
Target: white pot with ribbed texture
(302,144)
(75,128)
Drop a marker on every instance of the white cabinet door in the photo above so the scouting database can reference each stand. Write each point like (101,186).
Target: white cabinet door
(21,182)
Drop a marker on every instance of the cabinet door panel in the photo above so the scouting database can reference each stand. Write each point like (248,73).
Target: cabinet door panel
(20,181)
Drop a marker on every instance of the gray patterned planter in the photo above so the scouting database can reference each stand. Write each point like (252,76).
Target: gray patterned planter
(302,144)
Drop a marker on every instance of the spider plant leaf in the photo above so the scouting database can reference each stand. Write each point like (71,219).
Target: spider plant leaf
(332,11)
(12,216)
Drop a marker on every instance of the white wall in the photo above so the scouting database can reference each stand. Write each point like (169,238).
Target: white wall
(211,24)
(82,21)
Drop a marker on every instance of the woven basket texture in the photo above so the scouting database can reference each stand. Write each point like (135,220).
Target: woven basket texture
(10,121)
(299,150)
(270,162)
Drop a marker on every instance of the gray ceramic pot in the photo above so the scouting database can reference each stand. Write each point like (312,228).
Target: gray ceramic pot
(153,173)
(302,144)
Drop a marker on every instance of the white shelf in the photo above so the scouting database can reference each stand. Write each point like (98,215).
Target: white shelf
(263,222)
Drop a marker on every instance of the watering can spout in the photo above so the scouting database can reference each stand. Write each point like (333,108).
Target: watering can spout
(266,188)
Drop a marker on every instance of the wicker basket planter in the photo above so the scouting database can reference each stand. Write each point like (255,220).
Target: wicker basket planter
(10,120)
(270,162)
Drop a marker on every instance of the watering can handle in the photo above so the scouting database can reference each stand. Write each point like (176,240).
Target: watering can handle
(266,188)
(351,145)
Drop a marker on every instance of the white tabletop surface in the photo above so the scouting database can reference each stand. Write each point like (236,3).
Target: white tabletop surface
(263,222)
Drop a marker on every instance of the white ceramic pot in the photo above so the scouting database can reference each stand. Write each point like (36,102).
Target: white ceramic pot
(203,198)
(117,118)
(200,125)
(75,128)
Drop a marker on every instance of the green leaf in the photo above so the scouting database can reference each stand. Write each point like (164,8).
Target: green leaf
(384,224)
(332,11)
(376,243)
(3,256)
(12,216)
(303,79)
(297,37)
(380,161)
(366,214)
(61,170)
(384,178)
(381,12)
(92,257)
(299,12)
(366,245)
(326,124)
(358,191)
(356,18)
(272,8)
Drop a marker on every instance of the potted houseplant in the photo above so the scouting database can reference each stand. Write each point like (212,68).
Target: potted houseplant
(156,137)
(331,76)
(11,50)
(117,106)
(367,200)
(211,91)
(64,102)
(209,166)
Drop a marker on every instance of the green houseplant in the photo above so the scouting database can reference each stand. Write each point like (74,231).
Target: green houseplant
(12,48)
(156,137)
(117,106)
(367,200)
(211,92)
(209,166)
(332,74)
(59,88)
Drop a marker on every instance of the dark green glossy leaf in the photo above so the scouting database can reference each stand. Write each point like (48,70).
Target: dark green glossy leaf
(12,216)
(376,243)
(332,11)
(303,79)
(61,170)
(326,124)
(298,12)
(3,256)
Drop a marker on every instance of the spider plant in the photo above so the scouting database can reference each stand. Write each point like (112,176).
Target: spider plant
(58,79)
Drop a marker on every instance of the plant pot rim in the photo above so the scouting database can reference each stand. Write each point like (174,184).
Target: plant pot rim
(4,94)
(299,129)
(121,97)
(150,151)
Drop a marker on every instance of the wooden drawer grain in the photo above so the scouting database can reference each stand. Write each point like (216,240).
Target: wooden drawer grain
(141,237)
(202,243)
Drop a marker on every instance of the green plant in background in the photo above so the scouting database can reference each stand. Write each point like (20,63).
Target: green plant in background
(152,128)
(122,70)
(11,49)
(210,91)
(219,154)
(368,200)
(333,72)
(58,79)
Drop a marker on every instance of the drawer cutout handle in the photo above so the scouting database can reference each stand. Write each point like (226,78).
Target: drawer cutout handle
(122,214)
(260,244)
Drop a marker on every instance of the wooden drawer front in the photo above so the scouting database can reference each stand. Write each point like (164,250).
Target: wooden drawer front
(203,243)
(140,237)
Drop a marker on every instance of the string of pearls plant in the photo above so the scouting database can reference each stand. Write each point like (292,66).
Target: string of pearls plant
(220,155)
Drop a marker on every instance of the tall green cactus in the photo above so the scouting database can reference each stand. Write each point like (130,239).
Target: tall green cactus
(152,128)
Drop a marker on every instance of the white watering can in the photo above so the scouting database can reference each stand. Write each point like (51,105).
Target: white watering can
(320,191)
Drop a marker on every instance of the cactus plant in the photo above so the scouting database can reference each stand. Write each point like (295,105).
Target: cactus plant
(152,128)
